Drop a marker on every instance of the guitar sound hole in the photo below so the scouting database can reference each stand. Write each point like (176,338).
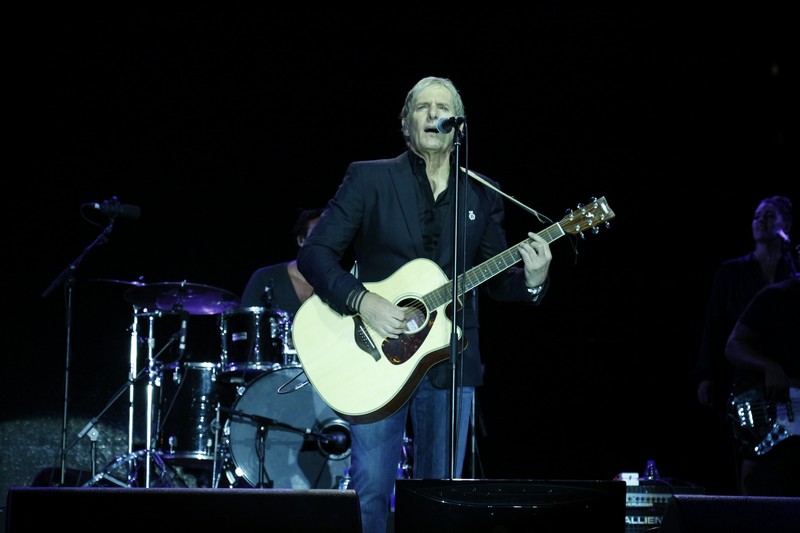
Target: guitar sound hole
(403,348)
(416,317)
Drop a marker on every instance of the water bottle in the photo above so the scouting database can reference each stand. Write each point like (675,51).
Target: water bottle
(651,471)
(344,483)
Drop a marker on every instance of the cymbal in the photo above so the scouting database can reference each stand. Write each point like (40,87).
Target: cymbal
(120,281)
(192,298)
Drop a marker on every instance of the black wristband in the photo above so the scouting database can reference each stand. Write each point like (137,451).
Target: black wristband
(354,299)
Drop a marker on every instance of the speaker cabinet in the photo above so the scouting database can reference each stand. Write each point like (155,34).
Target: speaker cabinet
(463,505)
(35,509)
(731,514)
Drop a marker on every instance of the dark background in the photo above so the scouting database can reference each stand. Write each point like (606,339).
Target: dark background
(221,124)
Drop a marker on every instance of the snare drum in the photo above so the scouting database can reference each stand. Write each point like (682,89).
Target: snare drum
(254,340)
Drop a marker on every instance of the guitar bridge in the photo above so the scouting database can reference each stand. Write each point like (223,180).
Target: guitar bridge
(363,340)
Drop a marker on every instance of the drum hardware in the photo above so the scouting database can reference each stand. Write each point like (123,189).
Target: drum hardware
(153,457)
(154,375)
(184,399)
(150,301)
(217,463)
(124,471)
(91,430)
(152,371)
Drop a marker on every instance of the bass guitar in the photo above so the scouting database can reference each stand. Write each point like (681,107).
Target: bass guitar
(760,424)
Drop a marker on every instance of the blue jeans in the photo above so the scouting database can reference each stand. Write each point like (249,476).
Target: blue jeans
(377,447)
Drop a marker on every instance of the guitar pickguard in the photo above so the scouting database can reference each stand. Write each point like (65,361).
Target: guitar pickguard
(401,349)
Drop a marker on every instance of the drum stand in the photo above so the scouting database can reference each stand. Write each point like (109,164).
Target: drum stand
(152,381)
(216,464)
(150,456)
(132,458)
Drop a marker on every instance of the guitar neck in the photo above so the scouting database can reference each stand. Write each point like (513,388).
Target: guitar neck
(486,270)
(587,217)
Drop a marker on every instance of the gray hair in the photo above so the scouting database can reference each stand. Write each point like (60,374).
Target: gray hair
(424,83)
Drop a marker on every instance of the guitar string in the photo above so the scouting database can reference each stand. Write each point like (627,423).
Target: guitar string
(550,233)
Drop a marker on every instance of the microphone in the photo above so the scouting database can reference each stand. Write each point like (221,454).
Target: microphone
(446,124)
(337,439)
(112,208)
(333,438)
(334,444)
(782,234)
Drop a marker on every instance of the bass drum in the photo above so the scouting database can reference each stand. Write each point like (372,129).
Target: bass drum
(281,418)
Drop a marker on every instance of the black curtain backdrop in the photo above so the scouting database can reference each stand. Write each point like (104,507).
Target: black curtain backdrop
(220,125)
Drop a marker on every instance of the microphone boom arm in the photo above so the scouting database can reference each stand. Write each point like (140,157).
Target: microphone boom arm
(533,212)
(270,422)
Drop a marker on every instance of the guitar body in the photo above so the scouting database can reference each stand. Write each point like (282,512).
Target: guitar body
(364,377)
(759,424)
(361,385)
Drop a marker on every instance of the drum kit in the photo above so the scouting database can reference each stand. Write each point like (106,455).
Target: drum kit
(243,415)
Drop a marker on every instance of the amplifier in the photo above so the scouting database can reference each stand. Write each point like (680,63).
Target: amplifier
(646,503)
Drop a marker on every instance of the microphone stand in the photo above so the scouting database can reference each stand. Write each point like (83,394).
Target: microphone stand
(93,422)
(261,451)
(264,421)
(457,312)
(67,276)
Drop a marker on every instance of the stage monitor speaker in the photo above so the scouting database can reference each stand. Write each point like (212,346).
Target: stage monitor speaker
(687,513)
(544,506)
(35,509)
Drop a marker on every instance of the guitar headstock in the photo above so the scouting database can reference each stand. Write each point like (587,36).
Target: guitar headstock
(589,216)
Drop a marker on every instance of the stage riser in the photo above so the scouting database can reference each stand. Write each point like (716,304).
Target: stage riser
(509,506)
(155,510)
(731,514)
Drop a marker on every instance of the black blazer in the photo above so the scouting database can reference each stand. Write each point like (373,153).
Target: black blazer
(375,211)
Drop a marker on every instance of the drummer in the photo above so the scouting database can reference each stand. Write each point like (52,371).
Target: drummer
(281,286)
